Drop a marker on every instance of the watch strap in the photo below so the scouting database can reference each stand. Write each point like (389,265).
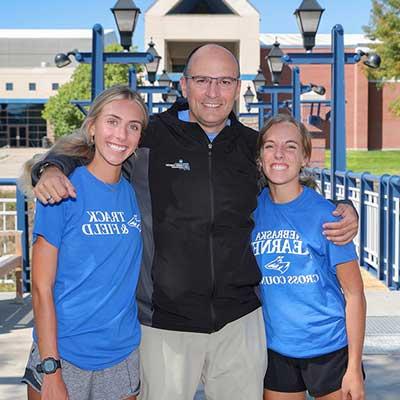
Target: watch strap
(40,369)
(42,168)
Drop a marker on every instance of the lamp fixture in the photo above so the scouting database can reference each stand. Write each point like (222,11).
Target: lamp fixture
(308,16)
(126,14)
(152,67)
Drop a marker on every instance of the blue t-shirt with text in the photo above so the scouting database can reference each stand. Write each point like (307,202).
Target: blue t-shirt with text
(98,237)
(303,305)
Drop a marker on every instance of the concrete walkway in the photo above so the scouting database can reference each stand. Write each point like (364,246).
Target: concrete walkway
(12,160)
(16,322)
(381,350)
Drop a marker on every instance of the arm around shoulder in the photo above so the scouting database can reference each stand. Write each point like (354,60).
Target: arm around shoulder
(64,163)
(345,230)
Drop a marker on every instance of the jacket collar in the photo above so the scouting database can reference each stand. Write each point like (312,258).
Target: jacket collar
(181,104)
(189,129)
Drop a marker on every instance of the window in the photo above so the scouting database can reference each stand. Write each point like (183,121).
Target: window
(55,86)
(32,86)
(9,86)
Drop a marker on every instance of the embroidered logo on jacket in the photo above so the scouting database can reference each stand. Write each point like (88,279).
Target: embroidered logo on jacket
(184,166)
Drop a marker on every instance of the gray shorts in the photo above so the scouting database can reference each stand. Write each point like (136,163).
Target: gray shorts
(117,382)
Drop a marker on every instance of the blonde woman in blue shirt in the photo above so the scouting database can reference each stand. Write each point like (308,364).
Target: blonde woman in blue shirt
(86,260)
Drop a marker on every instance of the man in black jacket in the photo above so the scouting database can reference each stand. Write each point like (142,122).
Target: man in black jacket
(195,177)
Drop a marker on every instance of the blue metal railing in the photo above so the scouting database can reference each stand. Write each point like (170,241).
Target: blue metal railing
(377,199)
(22,225)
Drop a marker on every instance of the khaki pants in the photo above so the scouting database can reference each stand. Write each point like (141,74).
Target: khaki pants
(231,363)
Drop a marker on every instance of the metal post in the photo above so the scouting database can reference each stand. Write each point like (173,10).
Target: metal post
(390,235)
(296,93)
(132,78)
(274,103)
(23,226)
(338,111)
(97,60)
(366,185)
(260,118)
(150,102)
(382,221)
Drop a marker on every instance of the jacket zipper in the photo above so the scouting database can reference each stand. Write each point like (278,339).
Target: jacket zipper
(211,241)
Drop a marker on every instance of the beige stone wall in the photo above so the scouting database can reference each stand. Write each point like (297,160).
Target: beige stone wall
(43,77)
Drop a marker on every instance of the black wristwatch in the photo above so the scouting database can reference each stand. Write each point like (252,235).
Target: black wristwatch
(43,167)
(48,366)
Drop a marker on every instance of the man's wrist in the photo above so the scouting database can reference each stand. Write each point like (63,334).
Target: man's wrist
(345,201)
(43,167)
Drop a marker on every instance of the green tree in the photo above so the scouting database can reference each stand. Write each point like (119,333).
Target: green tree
(64,116)
(384,26)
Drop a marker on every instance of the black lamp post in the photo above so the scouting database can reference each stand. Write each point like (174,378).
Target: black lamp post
(248,96)
(126,14)
(164,79)
(318,89)
(308,16)
(275,63)
(152,67)
(62,60)
(258,81)
(373,60)
(171,96)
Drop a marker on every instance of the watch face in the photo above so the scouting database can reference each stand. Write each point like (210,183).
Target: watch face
(49,365)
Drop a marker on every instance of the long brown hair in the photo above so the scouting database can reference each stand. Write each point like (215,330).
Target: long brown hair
(306,144)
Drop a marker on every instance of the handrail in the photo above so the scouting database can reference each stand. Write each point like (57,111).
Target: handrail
(377,199)
(11,263)
(23,226)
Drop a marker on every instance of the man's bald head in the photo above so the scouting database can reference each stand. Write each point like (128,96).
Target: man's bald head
(209,50)
(210,102)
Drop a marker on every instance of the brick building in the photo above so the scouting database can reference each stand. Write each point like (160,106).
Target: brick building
(370,125)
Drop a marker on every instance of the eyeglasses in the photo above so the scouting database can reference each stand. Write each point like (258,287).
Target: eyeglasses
(224,82)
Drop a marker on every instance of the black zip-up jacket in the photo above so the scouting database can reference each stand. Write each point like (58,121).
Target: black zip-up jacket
(196,199)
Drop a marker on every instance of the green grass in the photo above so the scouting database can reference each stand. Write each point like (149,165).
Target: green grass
(7,193)
(375,162)
(7,287)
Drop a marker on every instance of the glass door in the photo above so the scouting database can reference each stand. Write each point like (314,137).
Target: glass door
(17,135)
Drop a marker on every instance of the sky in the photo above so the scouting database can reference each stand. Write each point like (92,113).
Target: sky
(276,15)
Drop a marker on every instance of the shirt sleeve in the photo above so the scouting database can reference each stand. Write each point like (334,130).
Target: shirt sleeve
(49,222)
(339,254)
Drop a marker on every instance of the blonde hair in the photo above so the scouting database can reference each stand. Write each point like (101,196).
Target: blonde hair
(79,144)
(306,144)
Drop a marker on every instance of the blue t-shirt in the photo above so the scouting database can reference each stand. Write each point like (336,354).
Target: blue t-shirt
(303,305)
(98,237)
